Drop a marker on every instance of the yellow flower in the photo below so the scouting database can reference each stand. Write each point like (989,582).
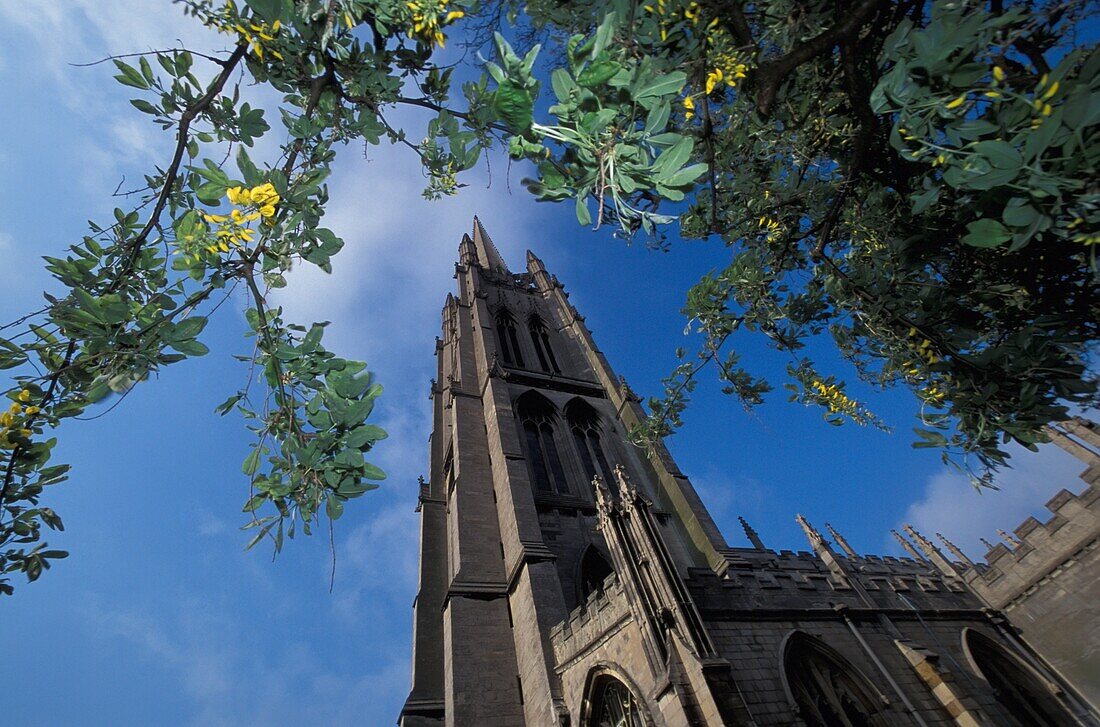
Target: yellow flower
(993,94)
(216,219)
(957,102)
(1051,91)
(998,74)
(689,107)
(267,210)
(713,79)
(24,395)
(239,195)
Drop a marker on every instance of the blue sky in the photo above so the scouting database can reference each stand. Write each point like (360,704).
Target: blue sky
(159,616)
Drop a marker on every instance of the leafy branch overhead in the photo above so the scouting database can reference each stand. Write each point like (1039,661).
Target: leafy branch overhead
(915,181)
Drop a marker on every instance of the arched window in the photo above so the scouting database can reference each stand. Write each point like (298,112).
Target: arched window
(584,423)
(828,690)
(536,415)
(541,338)
(593,572)
(506,337)
(1017,687)
(613,705)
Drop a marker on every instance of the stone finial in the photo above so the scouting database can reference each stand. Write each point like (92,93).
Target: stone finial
(931,552)
(605,502)
(816,541)
(751,534)
(1012,540)
(840,541)
(906,545)
(988,545)
(955,550)
(628,491)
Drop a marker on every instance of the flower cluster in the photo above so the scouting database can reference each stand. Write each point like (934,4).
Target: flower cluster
(770,226)
(923,347)
(837,402)
(728,69)
(13,421)
(429,17)
(259,36)
(232,230)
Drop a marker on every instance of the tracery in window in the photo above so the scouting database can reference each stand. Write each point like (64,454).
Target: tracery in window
(828,690)
(613,705)
(1017,688)
(506,338)
(584,424)
(545,352)
(537,417)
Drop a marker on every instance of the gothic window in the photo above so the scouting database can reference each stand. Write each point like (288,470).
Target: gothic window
(613,705)
(1017,688)
(828,691)
(506,337)
(594,570)
(584,423)
(537,415)
(541,338)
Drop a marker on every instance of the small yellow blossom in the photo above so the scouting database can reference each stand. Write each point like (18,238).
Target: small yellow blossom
(998,74)
(713,79)
(957,102)
(689,107)
(1050,91)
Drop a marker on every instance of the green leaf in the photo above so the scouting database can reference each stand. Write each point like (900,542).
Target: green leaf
(514,105)
(269,10)
(334,507)
(986,233)
(251,462)
(189,327)
(130,76)
(1000,154)
(598,73)
(190,348)
(364,435)
(663,85)
(583,215)
(371,472)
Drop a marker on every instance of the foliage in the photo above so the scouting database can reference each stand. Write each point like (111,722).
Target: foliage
(916,179)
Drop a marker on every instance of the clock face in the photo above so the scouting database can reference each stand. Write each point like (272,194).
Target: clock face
(618,708)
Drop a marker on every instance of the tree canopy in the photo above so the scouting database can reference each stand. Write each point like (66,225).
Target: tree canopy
(915,180)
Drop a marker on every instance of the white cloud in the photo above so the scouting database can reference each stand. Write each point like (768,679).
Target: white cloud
(230,681)
(950,505)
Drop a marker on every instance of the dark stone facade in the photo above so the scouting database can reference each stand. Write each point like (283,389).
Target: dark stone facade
(567,578)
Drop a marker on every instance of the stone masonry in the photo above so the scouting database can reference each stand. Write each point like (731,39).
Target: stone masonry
(571,579)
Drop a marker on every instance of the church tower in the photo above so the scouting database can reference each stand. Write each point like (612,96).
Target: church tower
(569,578)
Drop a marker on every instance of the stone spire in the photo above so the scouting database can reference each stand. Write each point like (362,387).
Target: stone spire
(487,254)
(839,540)
(751,534)
(955,550)
(907,545)
(932,552)
(816,541)
(987,544)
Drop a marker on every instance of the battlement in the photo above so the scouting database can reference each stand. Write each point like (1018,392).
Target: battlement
(1041,548)
(593,619)
(798,580)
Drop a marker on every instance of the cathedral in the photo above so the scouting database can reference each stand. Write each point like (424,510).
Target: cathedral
(571,579)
